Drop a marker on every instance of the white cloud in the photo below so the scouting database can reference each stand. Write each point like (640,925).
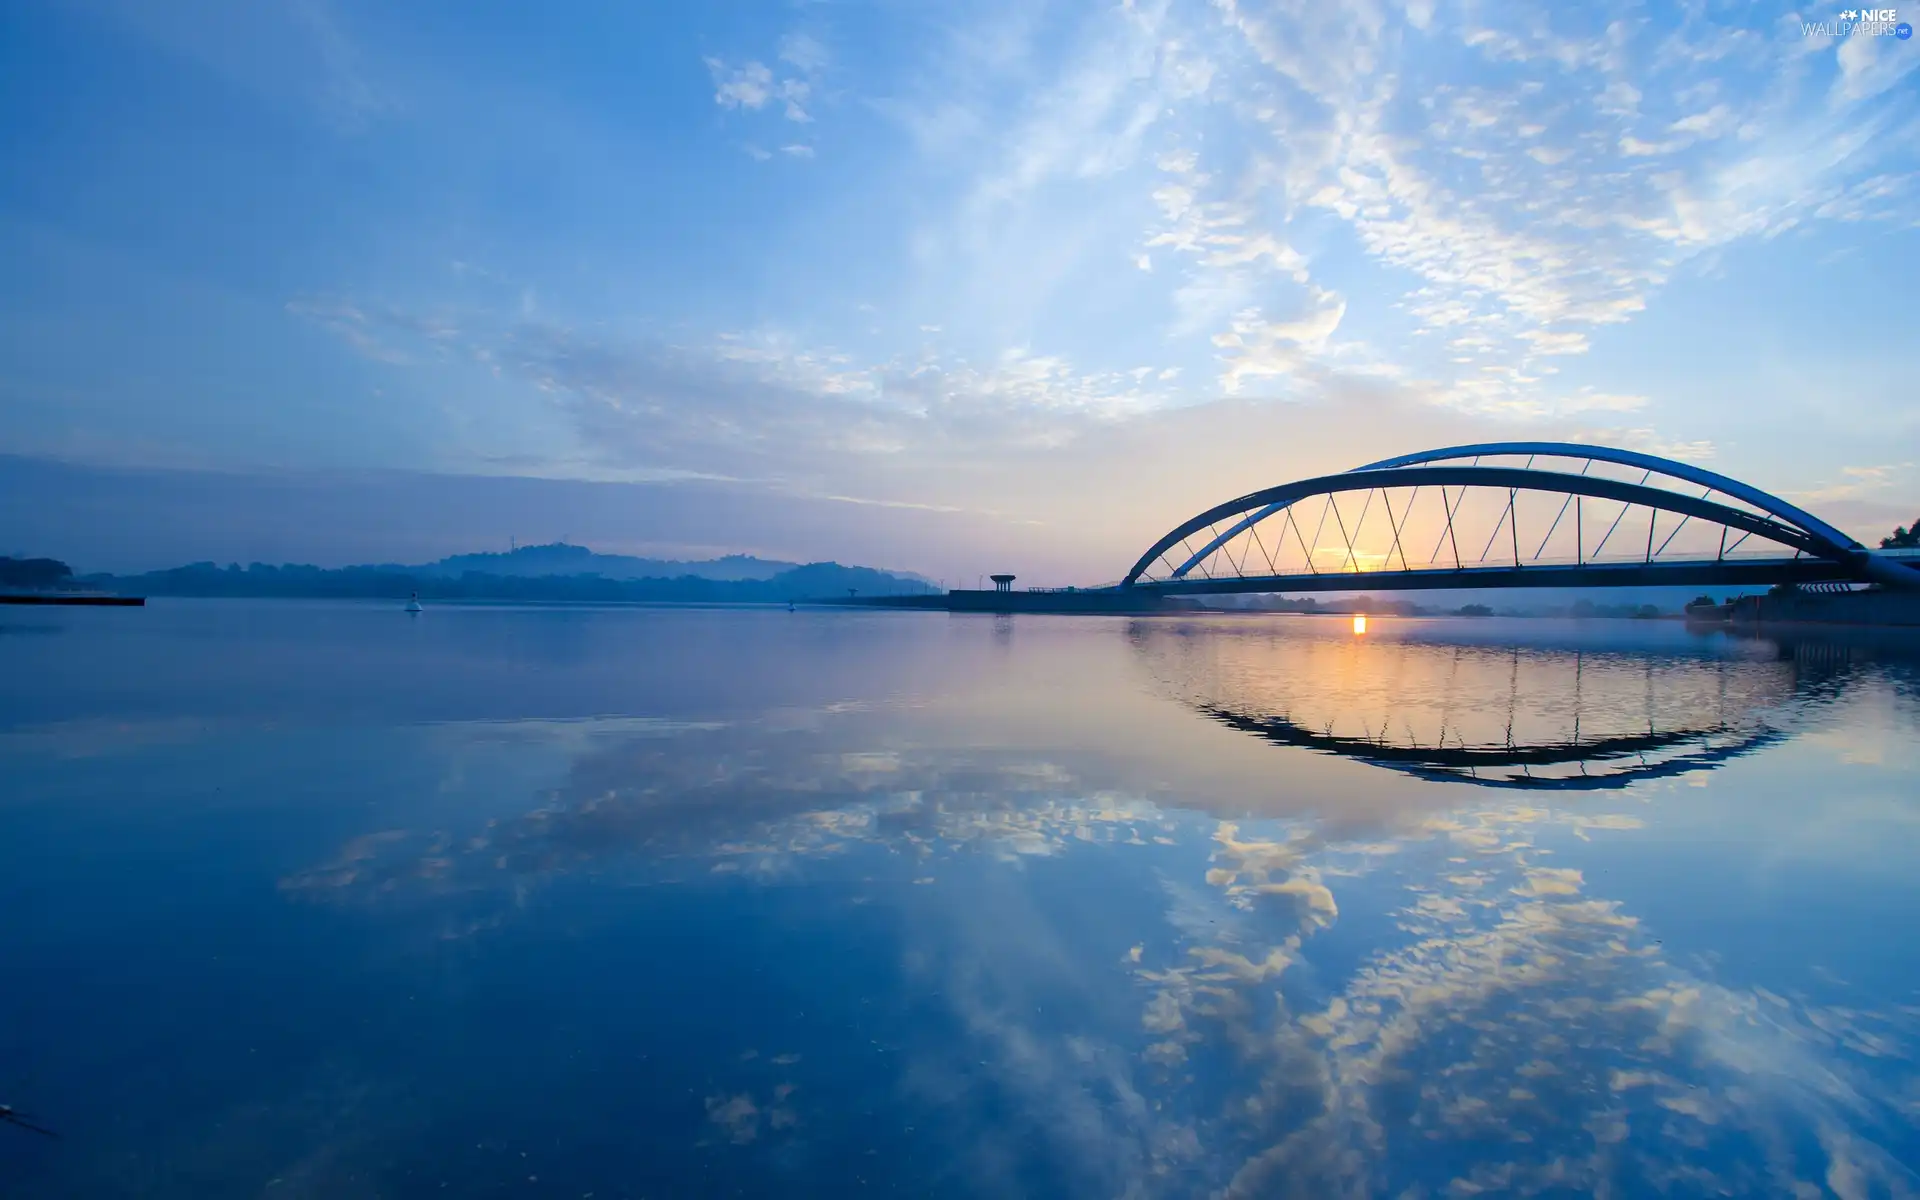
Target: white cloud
(804,52)
(1856,482)
(761,406)
(1633,147)
(1254,347)
(1094,119)
(1527,247)
(1870,67)
(1326,201)
(793,96)
(1715,122)
(372,336)
(753,84)
(749,85)
(1551,342)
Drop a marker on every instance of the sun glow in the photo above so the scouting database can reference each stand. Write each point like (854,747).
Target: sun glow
(1359,624)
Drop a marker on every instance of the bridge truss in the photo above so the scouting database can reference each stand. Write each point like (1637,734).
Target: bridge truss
(1507,514)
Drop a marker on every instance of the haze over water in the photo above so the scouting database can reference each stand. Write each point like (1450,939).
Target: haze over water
(317,900)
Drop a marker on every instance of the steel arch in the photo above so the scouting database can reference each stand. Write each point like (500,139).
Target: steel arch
(1764,501)
(1713,481)
(1809,537)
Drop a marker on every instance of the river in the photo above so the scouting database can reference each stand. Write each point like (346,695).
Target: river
(324,900)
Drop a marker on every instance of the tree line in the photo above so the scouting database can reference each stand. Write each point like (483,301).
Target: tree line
(35,574)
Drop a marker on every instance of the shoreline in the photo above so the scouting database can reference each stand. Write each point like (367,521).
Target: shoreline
(46,598)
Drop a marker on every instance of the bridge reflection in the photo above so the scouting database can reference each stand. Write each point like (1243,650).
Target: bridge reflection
(1549,717)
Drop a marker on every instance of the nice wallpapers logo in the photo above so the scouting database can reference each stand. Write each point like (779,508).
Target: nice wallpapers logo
(1860,22)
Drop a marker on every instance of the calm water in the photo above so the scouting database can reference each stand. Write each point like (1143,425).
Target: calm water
(309,900)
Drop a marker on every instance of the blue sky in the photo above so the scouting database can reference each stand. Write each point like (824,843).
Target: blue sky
(1035,280)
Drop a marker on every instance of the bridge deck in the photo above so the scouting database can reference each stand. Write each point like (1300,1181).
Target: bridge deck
(1703,573)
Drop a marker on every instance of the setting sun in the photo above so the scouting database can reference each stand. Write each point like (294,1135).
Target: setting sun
(1359,624)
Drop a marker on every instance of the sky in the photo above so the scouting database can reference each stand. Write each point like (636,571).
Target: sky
(951,288)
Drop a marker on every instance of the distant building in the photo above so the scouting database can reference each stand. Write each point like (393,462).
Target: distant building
(1002,583)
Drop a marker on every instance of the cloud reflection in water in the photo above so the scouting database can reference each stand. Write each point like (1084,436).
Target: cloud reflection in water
(1497,1024)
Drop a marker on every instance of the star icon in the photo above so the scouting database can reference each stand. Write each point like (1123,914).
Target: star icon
(1850,14)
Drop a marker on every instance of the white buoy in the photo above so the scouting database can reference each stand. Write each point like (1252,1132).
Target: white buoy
(413,603)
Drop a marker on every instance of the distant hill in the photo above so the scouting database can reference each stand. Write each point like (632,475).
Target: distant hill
(34,574)
(560,558)
(814,581)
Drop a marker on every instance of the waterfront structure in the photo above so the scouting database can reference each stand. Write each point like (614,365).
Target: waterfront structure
(1507,514)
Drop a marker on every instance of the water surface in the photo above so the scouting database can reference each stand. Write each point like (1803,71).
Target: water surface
(312,900)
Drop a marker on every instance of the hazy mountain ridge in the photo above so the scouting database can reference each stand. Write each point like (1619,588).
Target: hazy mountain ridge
(562,558)
(813,581)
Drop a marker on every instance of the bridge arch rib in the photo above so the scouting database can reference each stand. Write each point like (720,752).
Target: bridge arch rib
(1653,464)
(1806,548)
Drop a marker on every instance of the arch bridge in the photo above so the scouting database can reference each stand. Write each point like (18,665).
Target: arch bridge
(1508,514)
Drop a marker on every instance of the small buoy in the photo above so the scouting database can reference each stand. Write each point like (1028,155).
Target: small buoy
(413,603)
